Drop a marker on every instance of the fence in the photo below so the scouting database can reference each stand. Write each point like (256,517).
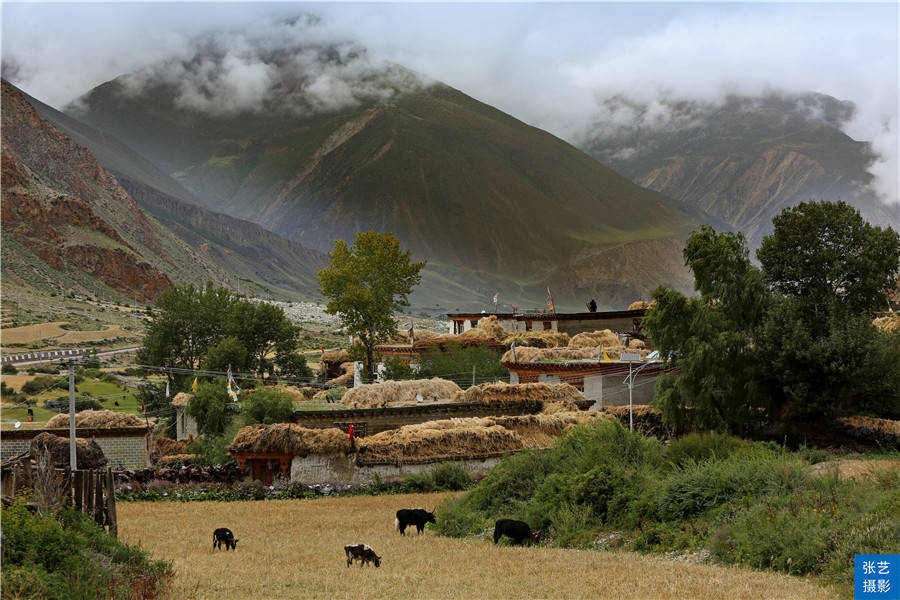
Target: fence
(91,491)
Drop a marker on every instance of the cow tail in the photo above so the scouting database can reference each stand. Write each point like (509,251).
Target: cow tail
(397,523)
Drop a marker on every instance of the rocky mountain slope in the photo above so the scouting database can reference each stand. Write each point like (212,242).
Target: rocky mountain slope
(492,203)
(743,160)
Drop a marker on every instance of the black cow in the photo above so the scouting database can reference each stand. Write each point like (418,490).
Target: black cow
(517,530)
(223,535)
(362,553)
(413,516)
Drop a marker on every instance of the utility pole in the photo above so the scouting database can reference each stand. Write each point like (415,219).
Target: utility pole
(631,358)
(73,459)
(473,375)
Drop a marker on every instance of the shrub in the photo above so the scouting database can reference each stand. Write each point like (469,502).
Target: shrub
(451,476)
(42,383)
(9,369)
(267,406)
(61,404)
(210,450)
(698,447)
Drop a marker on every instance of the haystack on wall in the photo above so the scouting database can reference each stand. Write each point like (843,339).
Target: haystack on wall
(124,447)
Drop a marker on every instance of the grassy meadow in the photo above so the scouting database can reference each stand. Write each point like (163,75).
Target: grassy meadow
(294,549)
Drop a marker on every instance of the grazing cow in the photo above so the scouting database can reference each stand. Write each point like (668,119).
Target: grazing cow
(413,516)
(362,553)
(517,530)
(223,535)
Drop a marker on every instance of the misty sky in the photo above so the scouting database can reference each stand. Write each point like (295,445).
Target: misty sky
(547,64)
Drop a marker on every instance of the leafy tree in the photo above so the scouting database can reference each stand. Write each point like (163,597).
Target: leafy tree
(291,364)
(711,337)
(228,352)
(211,408)
(458,364)
(827,257)
(267,406)
(397,369)
(366,284)
(261,327)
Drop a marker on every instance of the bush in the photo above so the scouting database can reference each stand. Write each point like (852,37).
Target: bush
(451,476)
(9,369)
(267,406)
(42,383)
(71,557)
(698,447)
(210,450)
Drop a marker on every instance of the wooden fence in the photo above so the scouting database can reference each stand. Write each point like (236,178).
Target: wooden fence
(91,491)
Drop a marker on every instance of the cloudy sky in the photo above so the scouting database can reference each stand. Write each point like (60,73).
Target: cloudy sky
(547,64)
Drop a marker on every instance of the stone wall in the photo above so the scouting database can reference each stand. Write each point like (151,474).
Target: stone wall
(344,470)
(124,447)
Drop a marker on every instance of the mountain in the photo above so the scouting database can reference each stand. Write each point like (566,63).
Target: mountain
(491,203)
(238,254)
(743,160)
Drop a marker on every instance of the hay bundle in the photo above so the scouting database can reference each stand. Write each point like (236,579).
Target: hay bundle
(491,326)
(402,337)
(529,355)
(538,339)
(606,338)
(501,393)
(335,356)
(181,399)
(647,419)
(889,324)
(886,426)
(541,430)
(422,441)
(641,304)
(636,344)
(307,392)
(394,393)
(290,439)
(87,452)
(98,418)
(168,447)
(346,378)
(174,459)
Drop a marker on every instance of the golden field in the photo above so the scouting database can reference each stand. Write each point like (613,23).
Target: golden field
(294,549)
(53,331)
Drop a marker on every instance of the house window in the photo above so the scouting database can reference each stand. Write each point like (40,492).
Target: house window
(527,325)
(473,323)
(548,326)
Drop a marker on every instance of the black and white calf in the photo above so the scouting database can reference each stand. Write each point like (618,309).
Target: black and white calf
(362,553)
(223,535)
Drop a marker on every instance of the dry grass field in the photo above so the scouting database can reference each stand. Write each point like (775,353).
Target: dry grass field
(294,549)
(54,331)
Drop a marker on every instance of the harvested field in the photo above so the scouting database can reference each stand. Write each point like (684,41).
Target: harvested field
(476,436)
(538,339)
(607,338)
(400,393)
(502,393)
(290,439)
(98,418)
(33,333)
(294,549)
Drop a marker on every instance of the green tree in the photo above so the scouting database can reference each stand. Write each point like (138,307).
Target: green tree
(228,352)
(366,284)
(827,257)
(261,327)
(211,408)
(711,338)
(460,364)
(291,364)
(397,369)
(267,406)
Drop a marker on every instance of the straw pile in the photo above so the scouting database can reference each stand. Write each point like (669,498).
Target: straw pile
(636,344)
(402,337)
(491,326)
(98,418)
(87,452)
(538,339)
(398,393)
(308,392)
(882,425)
(333,356)
(346,378)
(174,459)
(289,439)
(502,394)
(640,304)
(889,324)
(470,437)
(606,338)
(530,355)
(647,419)
(165,446)
(181,399)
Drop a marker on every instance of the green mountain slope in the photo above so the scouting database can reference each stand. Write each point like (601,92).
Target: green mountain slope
(745,160)
(252,259)
(489,201)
